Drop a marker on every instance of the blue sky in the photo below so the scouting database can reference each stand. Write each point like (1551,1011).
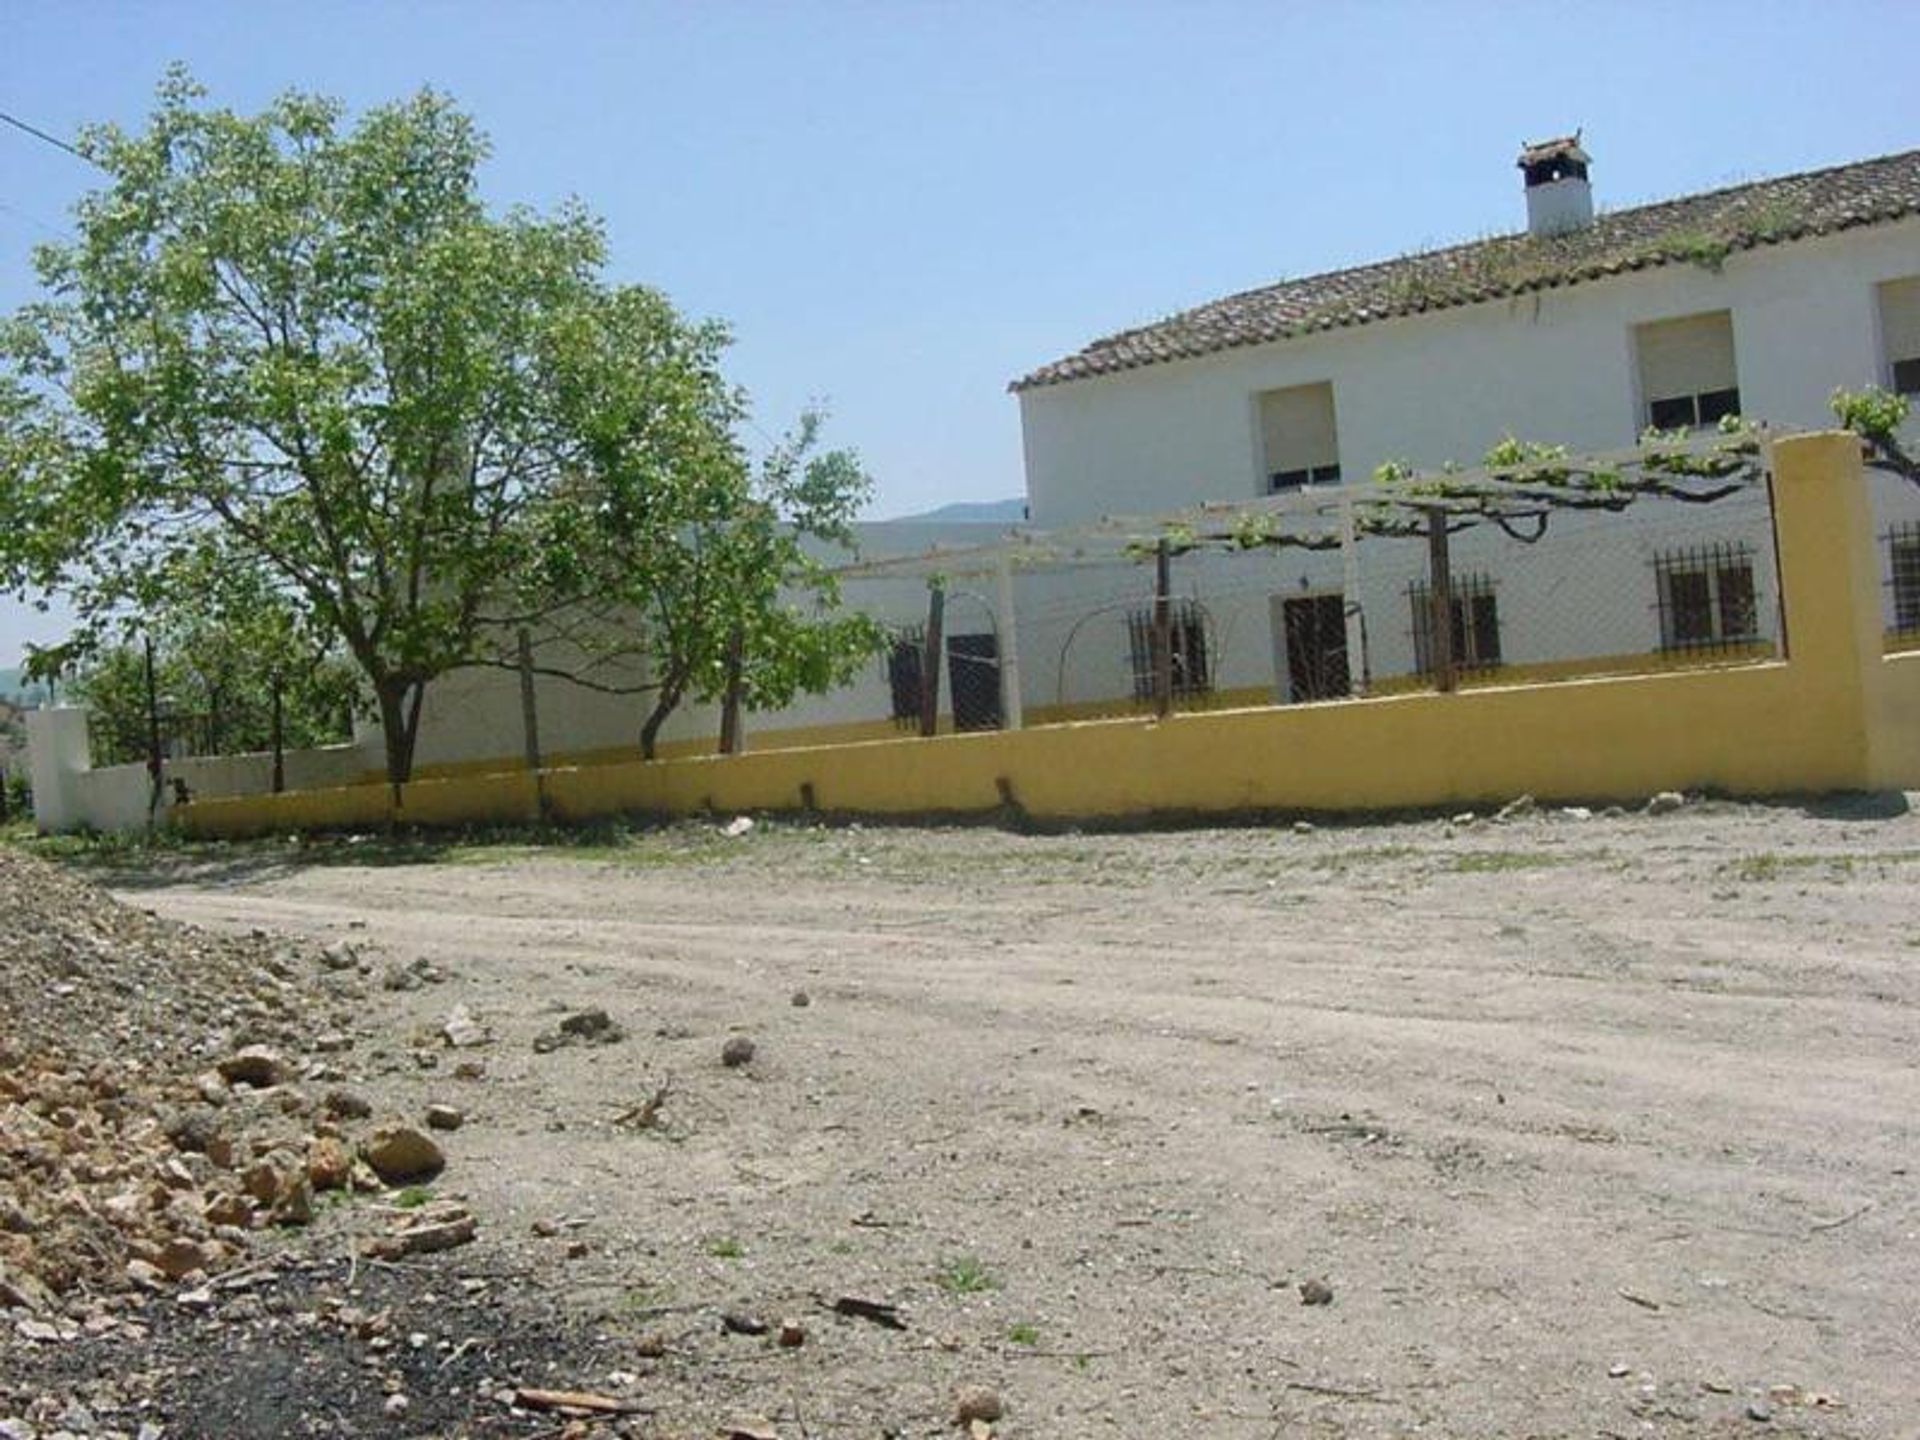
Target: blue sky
(901,207)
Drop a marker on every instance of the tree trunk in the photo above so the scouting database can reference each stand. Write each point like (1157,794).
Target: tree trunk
(668,702)
(399,727)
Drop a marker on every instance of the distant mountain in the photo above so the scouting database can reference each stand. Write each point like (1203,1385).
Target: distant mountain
(989,512)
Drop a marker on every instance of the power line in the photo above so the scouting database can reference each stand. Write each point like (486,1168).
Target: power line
(39,134)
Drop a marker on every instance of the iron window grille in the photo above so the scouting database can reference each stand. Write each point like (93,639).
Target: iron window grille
(1191,673)
(1903,568)
(1693,412)
(1706,597)
(1476,623)
(905,659)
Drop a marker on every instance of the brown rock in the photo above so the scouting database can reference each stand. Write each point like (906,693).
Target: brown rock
(20,1290)
(736,1052)
(792,1334)
(1315,1292)
(346,1104)
(445,1117)
(270,1178)
(179,1258)
(399,1153)
(329,1163)
(593,1025)
(230,1209)
(976,1402)
(441,1228)
(296,1204)
(257,1065)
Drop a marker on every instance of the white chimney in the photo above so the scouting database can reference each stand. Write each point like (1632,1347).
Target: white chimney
(1559,198)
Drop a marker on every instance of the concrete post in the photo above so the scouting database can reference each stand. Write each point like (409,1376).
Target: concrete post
(1012,714)
(58,748)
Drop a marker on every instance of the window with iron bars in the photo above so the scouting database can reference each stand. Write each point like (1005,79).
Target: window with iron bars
(1476,623)
(1191,673)
(1706,597)
(1903,566)
(904,660)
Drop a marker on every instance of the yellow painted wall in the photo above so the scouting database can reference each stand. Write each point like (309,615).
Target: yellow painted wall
(1835,714)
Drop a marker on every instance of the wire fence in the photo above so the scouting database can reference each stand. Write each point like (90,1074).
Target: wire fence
(1314,603)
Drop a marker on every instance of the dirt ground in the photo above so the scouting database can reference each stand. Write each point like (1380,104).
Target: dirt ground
(1601,1126)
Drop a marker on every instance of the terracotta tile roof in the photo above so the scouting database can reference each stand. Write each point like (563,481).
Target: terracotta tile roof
(1699,229)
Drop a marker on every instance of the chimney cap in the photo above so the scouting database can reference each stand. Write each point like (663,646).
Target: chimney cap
(1562,153)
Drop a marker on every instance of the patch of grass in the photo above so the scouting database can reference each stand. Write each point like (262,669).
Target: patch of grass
(1770,865)
(413,1197)
(1362,855)
(1021,1333)
(646,1297)
(725,1247)
(1494,862)
(1756,867)
(96,847)
(964,1275)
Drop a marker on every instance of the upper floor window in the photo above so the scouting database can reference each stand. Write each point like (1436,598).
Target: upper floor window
(1299,446)
(1900,333)
(1686,371)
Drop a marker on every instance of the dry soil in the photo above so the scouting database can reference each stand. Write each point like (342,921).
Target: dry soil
(1598,1126)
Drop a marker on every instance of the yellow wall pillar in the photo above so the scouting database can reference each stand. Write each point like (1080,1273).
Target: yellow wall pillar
(1829,585)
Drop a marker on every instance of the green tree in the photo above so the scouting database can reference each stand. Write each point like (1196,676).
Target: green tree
(729,581)
(235,670)
(305,351)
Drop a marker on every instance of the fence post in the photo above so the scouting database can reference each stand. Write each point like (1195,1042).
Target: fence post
(530,720)
(1163,628)
(1360,676)
(279,735)
(1440,597)
(153,734)
(730,706)
(1012,714)
(930,659)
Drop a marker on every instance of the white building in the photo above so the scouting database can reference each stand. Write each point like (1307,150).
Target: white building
(1584,330)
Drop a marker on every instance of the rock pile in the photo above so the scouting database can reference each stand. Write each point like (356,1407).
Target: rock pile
(153,1115)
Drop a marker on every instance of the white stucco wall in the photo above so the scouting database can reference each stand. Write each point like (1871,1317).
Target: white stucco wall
(475,714)
(69,794)
(1557,365)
